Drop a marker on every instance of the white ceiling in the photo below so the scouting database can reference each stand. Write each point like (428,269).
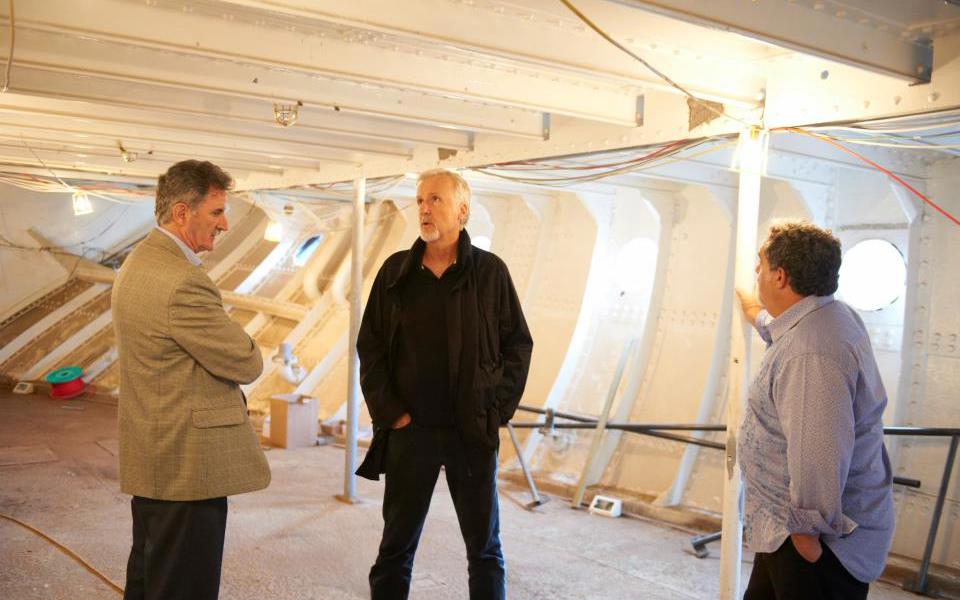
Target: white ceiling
(387,87)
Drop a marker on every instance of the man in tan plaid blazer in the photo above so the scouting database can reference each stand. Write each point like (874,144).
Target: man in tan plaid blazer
(185,440)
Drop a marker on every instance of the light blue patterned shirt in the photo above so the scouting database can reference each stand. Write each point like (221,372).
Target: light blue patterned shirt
(811,444)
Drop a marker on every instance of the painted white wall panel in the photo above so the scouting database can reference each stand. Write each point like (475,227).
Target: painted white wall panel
(618,303)
(686,327)
(934,372)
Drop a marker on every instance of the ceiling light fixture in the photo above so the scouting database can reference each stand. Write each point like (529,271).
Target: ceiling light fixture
(81,203)
(286,115)
(753,149)
(127,155)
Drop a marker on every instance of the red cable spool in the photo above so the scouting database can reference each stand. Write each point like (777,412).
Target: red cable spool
(66,383)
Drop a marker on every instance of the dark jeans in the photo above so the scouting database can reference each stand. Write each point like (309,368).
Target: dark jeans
(177,549)
(414,458)
(785,575)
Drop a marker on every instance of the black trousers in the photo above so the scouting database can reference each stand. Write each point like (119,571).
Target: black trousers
(785,575)
(414,458)
(177,549)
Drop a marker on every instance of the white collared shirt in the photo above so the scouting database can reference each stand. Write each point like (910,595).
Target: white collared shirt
(187,252)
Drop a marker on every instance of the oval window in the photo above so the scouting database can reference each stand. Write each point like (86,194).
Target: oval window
(306,250)
(635,265)
(482,241)
(873,275)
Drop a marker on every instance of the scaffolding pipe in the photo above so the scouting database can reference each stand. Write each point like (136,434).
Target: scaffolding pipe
(353,380)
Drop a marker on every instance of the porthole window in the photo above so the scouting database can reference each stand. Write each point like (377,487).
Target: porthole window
(873,275)
(306,250)
(635,265)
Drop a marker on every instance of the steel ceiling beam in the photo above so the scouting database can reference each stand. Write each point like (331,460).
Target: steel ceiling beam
(256,113)
(260,137)
(544,36)
(86,175)
(835,35)
(71,57)
(568,137)
(805,90)
(155,30)
(50,152)
(169,147)
(107,146)
(144,138)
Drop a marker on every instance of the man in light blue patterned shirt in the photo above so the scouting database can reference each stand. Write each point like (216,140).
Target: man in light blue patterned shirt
(818,506)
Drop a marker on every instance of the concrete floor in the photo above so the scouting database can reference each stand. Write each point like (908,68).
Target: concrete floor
(295,541)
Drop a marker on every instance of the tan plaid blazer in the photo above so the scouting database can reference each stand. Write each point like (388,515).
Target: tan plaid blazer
(184,431)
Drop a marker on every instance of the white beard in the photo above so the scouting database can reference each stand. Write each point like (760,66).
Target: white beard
(431,236)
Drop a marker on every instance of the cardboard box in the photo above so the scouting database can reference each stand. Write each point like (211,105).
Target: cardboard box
(293,421)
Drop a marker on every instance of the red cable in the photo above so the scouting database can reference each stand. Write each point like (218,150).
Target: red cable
(879,168)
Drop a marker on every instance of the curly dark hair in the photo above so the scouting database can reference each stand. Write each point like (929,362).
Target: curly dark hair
(188,181)
(809,255)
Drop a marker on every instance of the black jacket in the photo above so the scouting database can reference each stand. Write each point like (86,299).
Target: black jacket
(489,347)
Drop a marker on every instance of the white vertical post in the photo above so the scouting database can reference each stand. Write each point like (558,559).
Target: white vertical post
(751,150)
(353,380)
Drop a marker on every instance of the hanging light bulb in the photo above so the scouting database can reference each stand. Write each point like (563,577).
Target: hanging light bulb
(81,203)
(752,150)
(286,114)
(274,232)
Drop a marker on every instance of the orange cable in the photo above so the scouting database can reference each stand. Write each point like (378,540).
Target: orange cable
(883,170)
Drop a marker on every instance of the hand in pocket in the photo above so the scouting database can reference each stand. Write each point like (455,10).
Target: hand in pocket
(807,546)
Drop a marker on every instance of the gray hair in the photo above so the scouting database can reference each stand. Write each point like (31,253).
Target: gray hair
(187,182)
(461,189)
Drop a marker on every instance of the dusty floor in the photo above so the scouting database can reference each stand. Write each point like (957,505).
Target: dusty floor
(295,541)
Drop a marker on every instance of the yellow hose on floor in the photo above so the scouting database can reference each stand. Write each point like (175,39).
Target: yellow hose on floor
(66,551)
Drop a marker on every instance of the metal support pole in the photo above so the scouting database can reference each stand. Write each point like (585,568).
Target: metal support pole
(601,425)
(920,587)
(353,378)
(537,498)
(700,543)
(751,149)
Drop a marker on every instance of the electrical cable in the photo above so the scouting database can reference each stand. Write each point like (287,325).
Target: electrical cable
(549,164)
(393,214)
(37,183)
(59,250)
(883,170)
(321,220)
(928,121)
(654,70)
(546,165)
(663,155)
(64,183)
(889,140)
(66,551)
(377,185)
(866,127)
(938,135)
(13,34)
(906,145)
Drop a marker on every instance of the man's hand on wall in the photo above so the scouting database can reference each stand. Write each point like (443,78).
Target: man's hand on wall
(750,305)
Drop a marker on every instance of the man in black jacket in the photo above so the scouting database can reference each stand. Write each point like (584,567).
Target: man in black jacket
(444,354)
